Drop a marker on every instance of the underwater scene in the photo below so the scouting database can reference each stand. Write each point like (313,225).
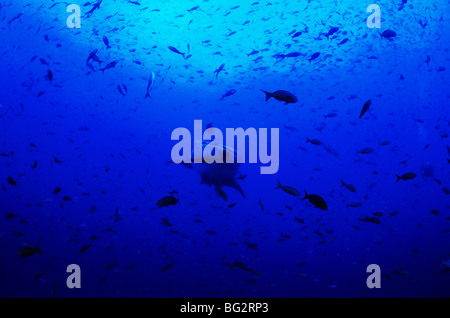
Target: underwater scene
(224,149)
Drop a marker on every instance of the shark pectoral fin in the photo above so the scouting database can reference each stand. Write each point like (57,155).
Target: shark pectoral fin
(236,186)
(221,193)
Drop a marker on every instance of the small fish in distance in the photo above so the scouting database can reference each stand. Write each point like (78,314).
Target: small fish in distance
(174,50)
(365,108)
(166,201)
(406,176)
(289,190)
(106,41)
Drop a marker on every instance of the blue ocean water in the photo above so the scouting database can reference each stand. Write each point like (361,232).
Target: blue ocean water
(86,155)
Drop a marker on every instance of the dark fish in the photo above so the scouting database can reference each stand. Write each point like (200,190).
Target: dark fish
(112,265)
(106,41)
(84,248)
(174,50)
(373,220)
(330,115)
(316,200)
(49,76)
(11,181)
(314,56)
(94,7)
(110,65)
(365,151)
(406,176)
(343,41)
(253,52)
(253,246)
(388,34)
(193,9)
(34,166)
(17,16)
(219,69)
(261,205)
(241,265)
(319,233)
(165,222)
(241,177)
(56,190)
(348,186)
(279,57)
(435,212)
(166,267)
(9,216)
(281,95)
(365,108)
(117,218)
(289,190)
(96,59)
(27,251)
(122,89)
(229,93)
(166,201)
(332,31)
(314,141)
(91,56)
(299,220)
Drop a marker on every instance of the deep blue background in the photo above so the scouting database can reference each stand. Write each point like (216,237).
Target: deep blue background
(114,149)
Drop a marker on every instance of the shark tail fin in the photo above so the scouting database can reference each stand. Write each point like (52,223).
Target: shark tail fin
(237,187)
(221,193)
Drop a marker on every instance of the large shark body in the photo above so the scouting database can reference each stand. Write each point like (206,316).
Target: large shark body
(215,174)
